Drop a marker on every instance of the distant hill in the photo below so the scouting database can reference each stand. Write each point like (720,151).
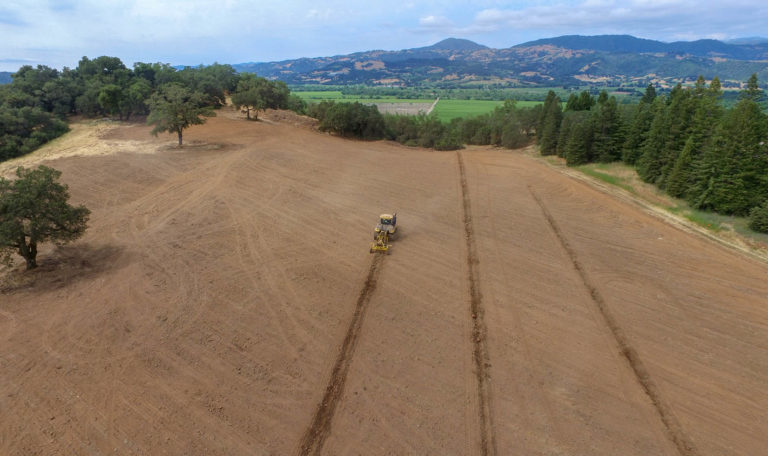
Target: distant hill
(630,44)
(455,44)
(5,77)
(606,43)
(561,61)
(368,62)
(749,40)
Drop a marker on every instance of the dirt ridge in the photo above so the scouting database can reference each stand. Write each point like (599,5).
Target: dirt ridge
(318,431)
(672,427)
(479,331)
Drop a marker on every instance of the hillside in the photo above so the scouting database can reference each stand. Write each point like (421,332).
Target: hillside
(566,60)
(223,302)
(627,44)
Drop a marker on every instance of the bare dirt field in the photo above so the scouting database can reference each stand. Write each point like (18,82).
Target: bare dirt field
(223,302)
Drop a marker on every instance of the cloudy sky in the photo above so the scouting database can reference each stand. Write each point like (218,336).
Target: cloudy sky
(189,32)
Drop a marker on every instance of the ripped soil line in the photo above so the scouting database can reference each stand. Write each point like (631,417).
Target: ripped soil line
(672,427)
(320,428)
(479,344)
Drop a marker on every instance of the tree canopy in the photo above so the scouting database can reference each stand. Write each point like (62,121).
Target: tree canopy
(250,94)
(255,93)
(34,209)
(175,108)
(34,106)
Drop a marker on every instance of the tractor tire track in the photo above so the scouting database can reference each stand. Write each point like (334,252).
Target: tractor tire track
(672,427)
(479,331)
(318,431)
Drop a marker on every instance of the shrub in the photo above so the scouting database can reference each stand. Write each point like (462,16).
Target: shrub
(353,119)
(758,218)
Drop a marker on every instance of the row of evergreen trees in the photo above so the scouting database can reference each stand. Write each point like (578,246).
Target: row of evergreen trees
(507,126)
(685,142)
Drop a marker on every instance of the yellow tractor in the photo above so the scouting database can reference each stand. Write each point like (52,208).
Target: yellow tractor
(384,231)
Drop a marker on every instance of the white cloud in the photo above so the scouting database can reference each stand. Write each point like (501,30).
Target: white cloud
(59,32)
(435,22)
(657,18)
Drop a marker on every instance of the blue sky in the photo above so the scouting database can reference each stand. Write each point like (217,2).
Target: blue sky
(58,32)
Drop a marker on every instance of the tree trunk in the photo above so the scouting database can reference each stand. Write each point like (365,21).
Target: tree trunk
(179,132)
(248,112)
(29,252)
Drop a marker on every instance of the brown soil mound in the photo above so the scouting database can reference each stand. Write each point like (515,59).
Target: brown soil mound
(290,118)
(223,302)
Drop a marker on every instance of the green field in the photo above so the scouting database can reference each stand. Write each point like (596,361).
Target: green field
(451,109)
(445,110)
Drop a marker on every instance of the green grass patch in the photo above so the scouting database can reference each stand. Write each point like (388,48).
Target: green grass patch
(592,169)
(708,220)
(717,222)
(452,109)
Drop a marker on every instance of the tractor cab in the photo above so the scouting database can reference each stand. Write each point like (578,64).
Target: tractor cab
(388,223)
(387,219)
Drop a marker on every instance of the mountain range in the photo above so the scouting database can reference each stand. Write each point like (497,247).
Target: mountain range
(572,60)
(565,60)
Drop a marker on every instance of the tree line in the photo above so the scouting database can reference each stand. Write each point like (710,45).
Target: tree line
(507,126)
(685,142)
(35,106)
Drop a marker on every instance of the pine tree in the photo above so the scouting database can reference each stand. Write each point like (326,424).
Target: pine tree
(678,181)
(753,91)
(732,175)
(649,95)
(680,112)
(572,103)
(578,150)
(586,101)
(608,130)
(549,126)
(638,130)
(705,121)
(566,129)
(649,163)
(602,98)
(583,102)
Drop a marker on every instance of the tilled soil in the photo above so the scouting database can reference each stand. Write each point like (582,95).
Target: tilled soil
(223,302)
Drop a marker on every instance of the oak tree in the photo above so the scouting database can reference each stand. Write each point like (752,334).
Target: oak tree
(174,108)
(34,209)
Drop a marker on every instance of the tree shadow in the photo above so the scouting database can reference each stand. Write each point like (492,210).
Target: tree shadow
(64,266)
